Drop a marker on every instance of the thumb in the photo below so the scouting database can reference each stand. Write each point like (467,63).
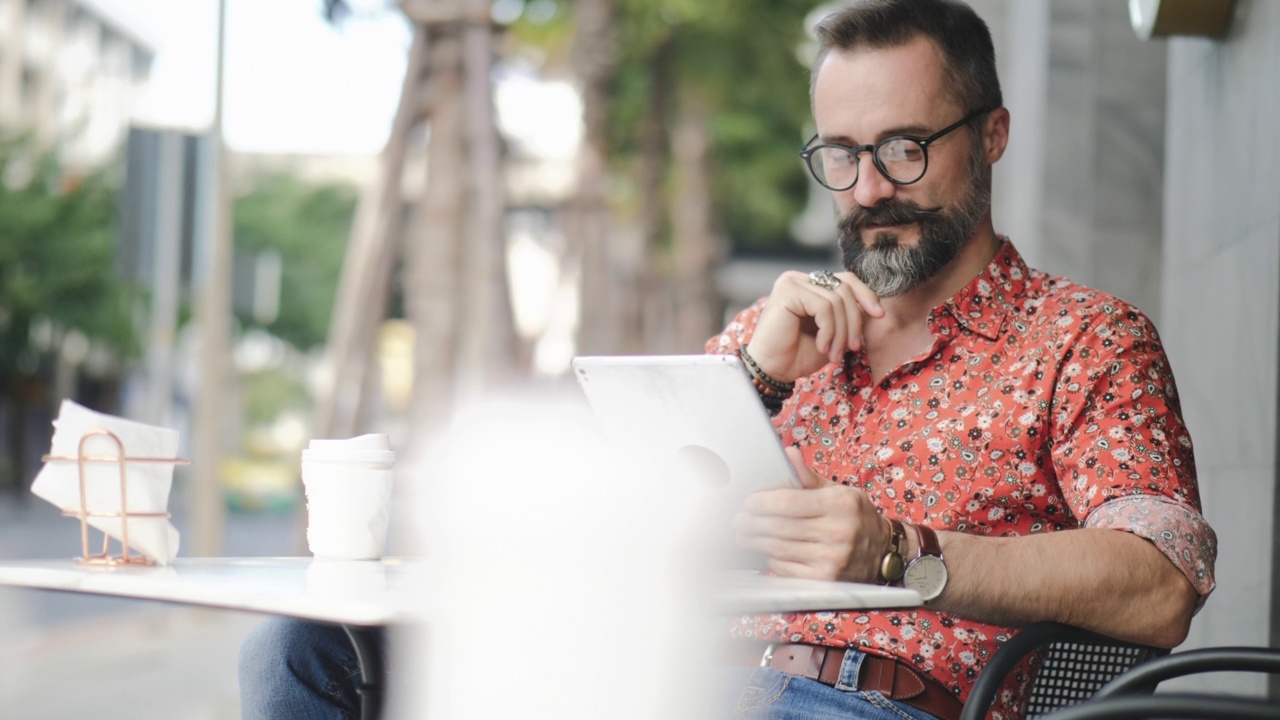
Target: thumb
(808,478)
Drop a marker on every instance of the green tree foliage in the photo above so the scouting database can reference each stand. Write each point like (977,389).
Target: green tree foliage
(744,58)
(741,57)
(57,264)
(308,226)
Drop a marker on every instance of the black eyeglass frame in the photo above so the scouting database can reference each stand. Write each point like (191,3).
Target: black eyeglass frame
(807,152)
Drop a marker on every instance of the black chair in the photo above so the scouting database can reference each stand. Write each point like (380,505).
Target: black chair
(367,642)
(1129,696)
(1169,707)
(1076,664)
(1192,662)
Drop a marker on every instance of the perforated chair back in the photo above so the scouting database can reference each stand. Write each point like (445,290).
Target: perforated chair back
(1075,664)
(1073,671)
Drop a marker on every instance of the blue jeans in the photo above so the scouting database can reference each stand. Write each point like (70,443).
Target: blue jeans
(298,669)
(768,694)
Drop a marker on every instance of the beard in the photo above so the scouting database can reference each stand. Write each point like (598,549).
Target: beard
(890,268)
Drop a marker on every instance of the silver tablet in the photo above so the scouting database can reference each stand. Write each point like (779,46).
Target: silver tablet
(695,419)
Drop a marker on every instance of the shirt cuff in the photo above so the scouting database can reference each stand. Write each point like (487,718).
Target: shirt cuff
(1179,531)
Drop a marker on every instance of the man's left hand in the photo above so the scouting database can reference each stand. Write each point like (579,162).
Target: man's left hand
(823,531)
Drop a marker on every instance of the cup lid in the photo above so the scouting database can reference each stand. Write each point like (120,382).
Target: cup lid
(371,441)
(344,455)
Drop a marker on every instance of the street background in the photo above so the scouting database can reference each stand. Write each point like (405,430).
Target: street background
(606,177)
(69,655)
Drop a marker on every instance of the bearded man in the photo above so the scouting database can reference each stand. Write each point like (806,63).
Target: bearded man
(1012,438)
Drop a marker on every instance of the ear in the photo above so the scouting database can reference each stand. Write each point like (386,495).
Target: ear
(995,134)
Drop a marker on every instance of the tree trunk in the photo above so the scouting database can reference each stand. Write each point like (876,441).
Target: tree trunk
(371,253)
(488,351)
(699,247)
(650,326)
(587,225)
(438,225)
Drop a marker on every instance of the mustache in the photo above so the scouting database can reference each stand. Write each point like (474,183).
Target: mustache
(888,212)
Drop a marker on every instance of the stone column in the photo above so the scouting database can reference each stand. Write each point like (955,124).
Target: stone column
(1221,304)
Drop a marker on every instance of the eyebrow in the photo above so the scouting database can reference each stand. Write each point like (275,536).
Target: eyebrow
(912,130)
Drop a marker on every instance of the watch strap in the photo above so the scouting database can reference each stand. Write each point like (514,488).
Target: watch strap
(929,544)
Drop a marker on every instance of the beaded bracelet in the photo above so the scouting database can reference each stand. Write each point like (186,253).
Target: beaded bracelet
(783,388)
(772,392)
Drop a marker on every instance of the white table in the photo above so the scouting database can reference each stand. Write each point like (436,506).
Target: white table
(748,593)
(358,595)
(349,592)
(362,596)
(378,593)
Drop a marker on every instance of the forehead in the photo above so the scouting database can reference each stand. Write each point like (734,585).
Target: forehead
(863,93)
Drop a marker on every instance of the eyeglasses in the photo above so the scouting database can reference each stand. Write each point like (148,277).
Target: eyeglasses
(903,159)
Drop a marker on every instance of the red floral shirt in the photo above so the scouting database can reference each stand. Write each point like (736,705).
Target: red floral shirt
(1040,406)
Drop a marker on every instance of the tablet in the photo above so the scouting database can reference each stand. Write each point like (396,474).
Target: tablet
(695,416)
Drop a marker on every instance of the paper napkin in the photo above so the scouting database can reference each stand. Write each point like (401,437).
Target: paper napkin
(147,483)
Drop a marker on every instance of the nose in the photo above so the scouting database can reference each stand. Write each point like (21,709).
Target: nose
(872,186)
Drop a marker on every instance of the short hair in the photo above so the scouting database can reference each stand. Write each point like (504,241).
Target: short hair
(968,53)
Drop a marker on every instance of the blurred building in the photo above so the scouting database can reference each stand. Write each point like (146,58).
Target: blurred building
(68,75)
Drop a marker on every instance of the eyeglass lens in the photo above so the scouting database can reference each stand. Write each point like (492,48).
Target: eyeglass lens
(902,159)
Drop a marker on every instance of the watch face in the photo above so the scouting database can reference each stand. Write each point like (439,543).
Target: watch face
(926,575)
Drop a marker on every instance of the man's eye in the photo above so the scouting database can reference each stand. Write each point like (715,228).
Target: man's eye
(900,151)
(835,157)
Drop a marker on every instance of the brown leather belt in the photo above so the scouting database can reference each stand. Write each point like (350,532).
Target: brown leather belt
(889,677)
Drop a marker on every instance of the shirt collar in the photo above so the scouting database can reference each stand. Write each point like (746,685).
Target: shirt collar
(981,306)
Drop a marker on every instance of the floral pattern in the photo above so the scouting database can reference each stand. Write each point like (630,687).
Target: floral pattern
(1040,406)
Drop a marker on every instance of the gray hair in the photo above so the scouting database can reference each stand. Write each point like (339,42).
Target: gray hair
(953,26)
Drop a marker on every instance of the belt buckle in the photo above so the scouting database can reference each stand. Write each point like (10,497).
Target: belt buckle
(767,657)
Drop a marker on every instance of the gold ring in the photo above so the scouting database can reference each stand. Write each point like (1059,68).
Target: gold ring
(824,279)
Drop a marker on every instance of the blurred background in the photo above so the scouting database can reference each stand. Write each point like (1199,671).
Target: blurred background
(262,221)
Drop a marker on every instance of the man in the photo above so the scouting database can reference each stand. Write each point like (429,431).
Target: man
(1026,428)
(1014,437)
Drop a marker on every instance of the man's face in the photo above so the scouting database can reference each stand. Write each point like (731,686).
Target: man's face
(896,237)
(872,245)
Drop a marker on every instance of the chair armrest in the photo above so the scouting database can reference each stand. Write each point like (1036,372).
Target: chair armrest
(1169,706)
(1145,677)
(1028,640)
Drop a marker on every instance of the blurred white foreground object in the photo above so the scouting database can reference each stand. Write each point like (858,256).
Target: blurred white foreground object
(557,571)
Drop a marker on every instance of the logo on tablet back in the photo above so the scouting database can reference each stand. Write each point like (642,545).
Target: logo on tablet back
(703,466)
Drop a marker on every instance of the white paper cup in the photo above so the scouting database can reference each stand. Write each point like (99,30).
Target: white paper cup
(348,501)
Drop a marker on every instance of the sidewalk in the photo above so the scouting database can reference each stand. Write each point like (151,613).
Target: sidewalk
(157,661)
(70,655)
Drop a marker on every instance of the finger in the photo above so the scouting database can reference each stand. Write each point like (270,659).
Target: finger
(842,332)
(749,526)
(789,568)
(826,310)
(820,305)
(853,314)
(808,478)
(866,298)
(839,324)
(790,551)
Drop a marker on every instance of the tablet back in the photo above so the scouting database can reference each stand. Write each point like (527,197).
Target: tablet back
(695,420)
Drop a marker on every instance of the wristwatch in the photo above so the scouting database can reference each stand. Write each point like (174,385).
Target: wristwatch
(926,573)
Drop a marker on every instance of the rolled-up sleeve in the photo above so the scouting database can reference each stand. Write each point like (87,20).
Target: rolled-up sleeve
(1179,531)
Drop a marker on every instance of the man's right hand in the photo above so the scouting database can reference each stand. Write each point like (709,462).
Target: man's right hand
(804,327)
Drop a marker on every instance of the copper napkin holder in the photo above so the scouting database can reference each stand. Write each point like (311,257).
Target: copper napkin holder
(105,557)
